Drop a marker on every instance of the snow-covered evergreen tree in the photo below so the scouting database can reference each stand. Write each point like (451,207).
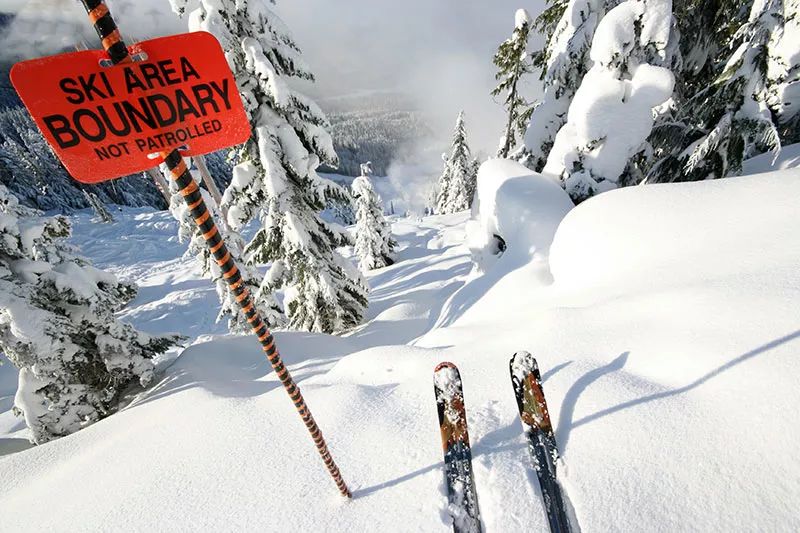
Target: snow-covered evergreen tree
(374,243)
(783,74)
(513,62)
(342,209)
(457,183)
(611,115)
(57,325)
(565,61)
(545,25)
(730,118)
(188,231)
(276,181)
(472,184)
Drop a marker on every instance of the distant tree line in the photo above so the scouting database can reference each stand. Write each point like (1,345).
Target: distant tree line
(372,135)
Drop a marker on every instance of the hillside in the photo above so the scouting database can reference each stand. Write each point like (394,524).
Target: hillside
(666,337)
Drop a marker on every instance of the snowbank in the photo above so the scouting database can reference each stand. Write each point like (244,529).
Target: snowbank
(521,207)
(676,233)
(670,377)
(789,157)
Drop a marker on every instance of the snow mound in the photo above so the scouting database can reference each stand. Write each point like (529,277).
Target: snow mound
(521,207)
(679,232)
(789,157)
(663,397)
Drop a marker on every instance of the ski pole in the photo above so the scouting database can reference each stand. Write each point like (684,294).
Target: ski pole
(107,30)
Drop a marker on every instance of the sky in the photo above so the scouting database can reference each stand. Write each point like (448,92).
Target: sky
(439,52)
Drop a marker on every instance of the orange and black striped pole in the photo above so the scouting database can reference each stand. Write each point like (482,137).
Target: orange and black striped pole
(109,34)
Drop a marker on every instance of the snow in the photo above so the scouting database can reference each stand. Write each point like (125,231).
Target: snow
(527,227)
(446,379)
(789,157)
(522,18)
(615,36)
(26,398)
(612,112)
(667,338)
(615,114)
(703,209)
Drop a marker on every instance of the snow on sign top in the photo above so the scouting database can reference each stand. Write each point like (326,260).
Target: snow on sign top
(106,121)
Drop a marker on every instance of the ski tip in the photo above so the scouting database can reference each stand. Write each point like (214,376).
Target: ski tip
(445,364)
(524,357)
(522,363)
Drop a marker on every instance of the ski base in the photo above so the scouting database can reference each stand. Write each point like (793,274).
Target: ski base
(462,497)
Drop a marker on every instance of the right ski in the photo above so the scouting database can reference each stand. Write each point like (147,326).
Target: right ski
(535,419)
(461,493)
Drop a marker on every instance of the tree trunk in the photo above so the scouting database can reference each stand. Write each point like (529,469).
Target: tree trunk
(510,126)
(161,183)
(200,163)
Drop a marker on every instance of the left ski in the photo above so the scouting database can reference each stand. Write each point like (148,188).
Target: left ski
(461,494)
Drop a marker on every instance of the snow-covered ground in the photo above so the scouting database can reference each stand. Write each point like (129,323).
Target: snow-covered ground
(665,322)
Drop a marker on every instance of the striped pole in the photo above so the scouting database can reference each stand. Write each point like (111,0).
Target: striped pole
(112,42)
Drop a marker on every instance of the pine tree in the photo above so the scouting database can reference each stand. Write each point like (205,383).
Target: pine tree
(264,301)
(726,107)
(592,152)
(457,182)
(57,325)
(472,184)
(276,180)
(374,243)
(341,207)
(564,62)
(546,24)
(514,62)
(783,72)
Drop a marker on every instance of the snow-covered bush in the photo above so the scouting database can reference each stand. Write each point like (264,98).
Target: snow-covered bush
(57,325)
(457,183)
(515,214)
(374,243)
(188,231)
(276,180)
(612,114)
(513,62)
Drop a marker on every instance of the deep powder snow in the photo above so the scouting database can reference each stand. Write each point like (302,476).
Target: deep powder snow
(667,335)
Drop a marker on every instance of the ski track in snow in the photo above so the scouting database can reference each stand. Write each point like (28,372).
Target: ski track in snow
(662,395)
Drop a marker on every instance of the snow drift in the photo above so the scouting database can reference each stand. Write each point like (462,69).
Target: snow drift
(671,379)
(521,207)
(690,233)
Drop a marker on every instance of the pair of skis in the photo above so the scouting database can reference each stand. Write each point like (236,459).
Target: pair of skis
(462,496)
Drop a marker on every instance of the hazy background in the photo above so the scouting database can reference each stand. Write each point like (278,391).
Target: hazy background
(428,59)
(438,52)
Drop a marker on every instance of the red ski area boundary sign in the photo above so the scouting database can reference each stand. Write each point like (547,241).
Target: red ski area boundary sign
(104,122)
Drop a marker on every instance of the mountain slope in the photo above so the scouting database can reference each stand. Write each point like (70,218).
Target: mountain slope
(662,388)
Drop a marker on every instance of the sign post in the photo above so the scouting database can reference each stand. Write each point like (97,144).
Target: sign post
(109,121)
